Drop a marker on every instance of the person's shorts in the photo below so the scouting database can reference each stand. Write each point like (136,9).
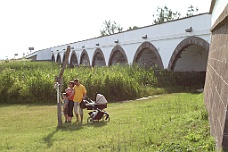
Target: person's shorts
(77,108)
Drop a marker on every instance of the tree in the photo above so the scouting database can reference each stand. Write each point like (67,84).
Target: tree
(132,28)
(191,10)
(110,27)
(59,84)
(165,14)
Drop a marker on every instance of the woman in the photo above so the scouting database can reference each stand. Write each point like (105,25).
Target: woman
(69,91)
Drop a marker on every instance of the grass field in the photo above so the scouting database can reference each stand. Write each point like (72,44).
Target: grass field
(174,122)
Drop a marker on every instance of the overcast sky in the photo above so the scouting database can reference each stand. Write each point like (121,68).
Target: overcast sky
(46,23)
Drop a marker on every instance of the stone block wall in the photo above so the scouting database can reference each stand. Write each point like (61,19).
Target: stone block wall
(216,86)
(118,58)
(147,58)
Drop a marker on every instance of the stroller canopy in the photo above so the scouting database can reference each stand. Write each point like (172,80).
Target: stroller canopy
(100,99)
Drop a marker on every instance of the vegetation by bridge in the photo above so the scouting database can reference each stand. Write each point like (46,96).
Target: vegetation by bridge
(32,82)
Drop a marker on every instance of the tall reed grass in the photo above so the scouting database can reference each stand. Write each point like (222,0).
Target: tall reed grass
(32,82)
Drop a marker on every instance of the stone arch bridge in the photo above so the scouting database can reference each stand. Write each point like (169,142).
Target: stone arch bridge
(179,45)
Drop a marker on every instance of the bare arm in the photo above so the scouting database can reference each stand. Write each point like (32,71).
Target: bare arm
(84,96)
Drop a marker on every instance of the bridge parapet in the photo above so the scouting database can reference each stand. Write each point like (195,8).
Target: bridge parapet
(163,37)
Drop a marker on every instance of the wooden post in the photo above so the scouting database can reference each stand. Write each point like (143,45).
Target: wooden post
(59,83)
(59,107)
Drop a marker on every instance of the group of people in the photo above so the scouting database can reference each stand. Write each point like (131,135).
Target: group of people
(73,96)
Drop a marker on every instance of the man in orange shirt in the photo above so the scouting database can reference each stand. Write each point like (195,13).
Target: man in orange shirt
(79,94)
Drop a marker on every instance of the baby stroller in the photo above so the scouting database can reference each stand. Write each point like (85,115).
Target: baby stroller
(98,107)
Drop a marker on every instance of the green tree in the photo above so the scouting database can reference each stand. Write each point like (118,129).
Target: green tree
(132,28)
(191,10)
(110,27)
(165,14)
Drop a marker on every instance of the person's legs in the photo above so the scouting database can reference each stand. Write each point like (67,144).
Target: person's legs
(76,111)
(65,118)
(66,114)
(81,113)
(70,110)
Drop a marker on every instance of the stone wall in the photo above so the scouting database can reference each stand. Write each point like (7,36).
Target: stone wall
(216,87)
(85,60)
(73,60)
(147,55)
(147,58)
(118,58)
(99,60)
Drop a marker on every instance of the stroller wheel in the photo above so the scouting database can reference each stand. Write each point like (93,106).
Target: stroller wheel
(106,118)
(89,120)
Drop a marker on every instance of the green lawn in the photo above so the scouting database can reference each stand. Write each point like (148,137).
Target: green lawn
(175,122)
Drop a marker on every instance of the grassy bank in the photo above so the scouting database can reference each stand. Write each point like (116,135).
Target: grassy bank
(176,122)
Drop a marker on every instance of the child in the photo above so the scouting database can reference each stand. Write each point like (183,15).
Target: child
(69,91)
(65,107)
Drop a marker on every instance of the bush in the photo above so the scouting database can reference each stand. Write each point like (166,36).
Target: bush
(186,79)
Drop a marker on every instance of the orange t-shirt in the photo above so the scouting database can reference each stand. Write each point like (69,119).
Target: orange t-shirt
(69,92)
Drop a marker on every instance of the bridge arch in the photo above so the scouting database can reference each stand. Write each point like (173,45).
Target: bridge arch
(117,56)
(147,55)
(84,59)
(98,58)
(190,55)
(58,59)
(73,60)
(53,58)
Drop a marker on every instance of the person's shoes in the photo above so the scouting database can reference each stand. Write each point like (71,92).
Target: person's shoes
(65,121)
(69,122)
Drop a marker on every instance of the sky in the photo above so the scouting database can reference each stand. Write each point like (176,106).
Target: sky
(46,23)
